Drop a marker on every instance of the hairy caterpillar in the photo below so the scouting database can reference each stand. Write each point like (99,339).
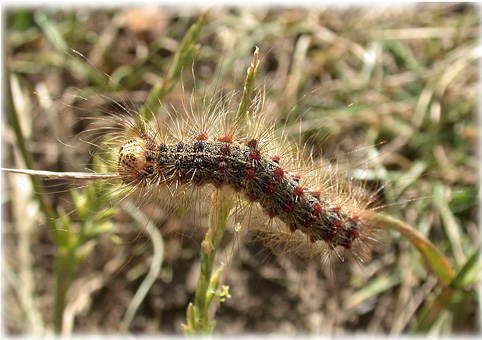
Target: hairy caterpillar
(299,241)
(199,153)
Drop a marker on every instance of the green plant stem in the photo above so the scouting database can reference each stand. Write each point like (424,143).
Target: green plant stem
(217,221)
(221,205)
(198,313)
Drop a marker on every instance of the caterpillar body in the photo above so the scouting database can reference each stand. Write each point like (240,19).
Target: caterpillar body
(331,212)
(246,170)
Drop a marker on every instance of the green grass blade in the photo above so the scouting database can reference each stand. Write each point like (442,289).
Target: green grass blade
(434,257)
(242,112)
(467,275)
(183,57)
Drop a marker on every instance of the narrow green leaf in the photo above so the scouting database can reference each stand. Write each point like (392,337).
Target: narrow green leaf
(468,274)
(241,113)
(434,257)
(183,57)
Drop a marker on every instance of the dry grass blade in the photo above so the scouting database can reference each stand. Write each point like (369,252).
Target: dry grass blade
(75,176)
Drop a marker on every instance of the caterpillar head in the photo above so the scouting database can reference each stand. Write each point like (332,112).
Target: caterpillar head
(132,163)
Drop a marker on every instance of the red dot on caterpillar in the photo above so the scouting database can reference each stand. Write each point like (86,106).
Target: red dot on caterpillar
(276,158)
(223,166)
(203,135)
(254,155)
(270,189)
(225,149)
(354,234)
(317,208)
(228,138)
(298,191)
(278,173)
(308,223)
(249,174)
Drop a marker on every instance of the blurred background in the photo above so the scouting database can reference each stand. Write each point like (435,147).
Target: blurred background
(391,90)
